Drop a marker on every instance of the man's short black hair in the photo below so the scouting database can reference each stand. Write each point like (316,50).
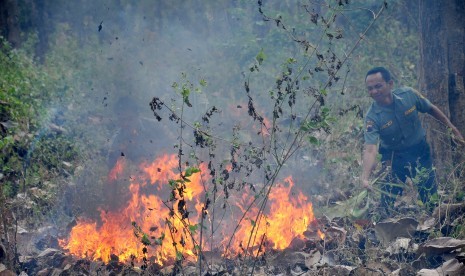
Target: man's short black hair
(384,73)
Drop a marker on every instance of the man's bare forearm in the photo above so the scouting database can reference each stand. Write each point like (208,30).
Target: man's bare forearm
(440,116)
(369,161)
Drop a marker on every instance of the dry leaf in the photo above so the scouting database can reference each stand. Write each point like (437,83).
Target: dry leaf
(391,229)
(441,245)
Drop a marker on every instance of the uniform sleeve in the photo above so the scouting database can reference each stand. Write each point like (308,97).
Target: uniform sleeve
(371,133)
(422,103)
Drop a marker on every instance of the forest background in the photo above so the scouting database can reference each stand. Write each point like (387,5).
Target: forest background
(66,67)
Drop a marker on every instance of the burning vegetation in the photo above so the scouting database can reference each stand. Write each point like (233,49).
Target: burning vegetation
(147,227)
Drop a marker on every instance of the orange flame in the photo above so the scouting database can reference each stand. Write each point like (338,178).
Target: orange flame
(117,170)
(289,216)
(159,222)
(161,170)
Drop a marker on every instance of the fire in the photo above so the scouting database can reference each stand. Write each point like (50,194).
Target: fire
(117,170)
(161,170)
(289,216)
(150,220)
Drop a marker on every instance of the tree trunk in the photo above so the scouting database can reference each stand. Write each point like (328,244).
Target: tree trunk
(442,64)
(9,25)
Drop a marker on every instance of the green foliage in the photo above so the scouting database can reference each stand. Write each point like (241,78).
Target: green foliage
(459,229)
(185,87)
(260,57)
(179,256)
(34,151)
(139,233)
(190,171)
(53,151)
(9,189)
(193,228)
(23,88)
(6,141)
(203,82)
(460,195)
(145,240)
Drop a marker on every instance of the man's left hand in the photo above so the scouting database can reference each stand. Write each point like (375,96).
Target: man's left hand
(457,137)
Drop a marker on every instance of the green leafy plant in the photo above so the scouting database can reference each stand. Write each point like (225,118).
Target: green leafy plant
(30,153)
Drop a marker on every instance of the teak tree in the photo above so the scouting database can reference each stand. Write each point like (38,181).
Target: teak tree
(442,69)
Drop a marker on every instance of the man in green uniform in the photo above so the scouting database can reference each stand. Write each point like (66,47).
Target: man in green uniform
(392,122)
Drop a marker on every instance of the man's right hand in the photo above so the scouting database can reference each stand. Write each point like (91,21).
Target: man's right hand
(366,184)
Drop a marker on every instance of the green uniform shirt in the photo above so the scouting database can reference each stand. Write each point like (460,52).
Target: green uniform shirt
(397,127)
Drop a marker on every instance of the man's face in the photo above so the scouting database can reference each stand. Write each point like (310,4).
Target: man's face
(379,89)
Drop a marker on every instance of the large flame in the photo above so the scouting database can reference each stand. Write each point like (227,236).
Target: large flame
(151,216)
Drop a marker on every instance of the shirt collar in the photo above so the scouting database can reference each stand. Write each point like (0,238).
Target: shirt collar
(379,108)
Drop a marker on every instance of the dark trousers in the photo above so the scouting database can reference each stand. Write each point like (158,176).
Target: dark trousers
(415,163)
